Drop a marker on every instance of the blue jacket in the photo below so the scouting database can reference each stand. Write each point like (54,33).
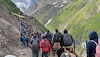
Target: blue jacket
(91,46)
(23,39)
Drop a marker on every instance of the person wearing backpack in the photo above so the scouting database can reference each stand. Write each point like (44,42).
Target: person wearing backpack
(35,47)
(38,36)
(49,36)
(92,46)
(56,40)
(57,36)
(45,46)
(24,40)
(67,40)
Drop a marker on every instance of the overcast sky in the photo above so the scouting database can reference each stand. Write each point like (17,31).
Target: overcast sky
(23,4)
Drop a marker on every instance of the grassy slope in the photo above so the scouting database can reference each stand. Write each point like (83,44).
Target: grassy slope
(64,16)
(83,18)
(42,13)
(39,26)
(78,26)
(46,12)
(10,6)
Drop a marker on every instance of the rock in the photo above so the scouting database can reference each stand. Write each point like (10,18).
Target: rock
(10,56)
(9,33)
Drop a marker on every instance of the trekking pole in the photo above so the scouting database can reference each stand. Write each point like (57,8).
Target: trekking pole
(74,46)
(86,48)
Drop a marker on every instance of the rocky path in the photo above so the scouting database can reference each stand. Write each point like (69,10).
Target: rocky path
(27,52)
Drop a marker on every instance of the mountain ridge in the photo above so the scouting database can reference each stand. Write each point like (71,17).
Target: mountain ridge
(50,10)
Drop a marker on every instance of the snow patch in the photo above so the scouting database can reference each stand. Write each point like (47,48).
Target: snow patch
(61,6)
(48,21)
(54,3)
(64,2)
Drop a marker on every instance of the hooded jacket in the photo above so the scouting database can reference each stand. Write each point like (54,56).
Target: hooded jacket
(47,47)
(91,46)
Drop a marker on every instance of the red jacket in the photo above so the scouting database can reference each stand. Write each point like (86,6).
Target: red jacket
(47,48)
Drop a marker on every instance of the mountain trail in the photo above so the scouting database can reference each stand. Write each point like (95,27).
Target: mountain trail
(25,52)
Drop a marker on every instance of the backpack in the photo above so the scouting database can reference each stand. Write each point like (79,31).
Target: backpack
(35,45)
(23,39)
(67,40)
(57,37)
(97,48)
(49,36)
(44,43)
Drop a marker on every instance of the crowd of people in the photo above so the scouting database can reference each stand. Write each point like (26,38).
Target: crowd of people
(59,43)
(49,42)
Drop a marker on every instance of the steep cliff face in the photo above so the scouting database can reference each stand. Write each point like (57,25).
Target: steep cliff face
(10,30)
(9,33)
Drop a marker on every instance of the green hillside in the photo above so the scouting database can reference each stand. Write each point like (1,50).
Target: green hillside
(42,13)
(79,17)
(10,6)
(46,12)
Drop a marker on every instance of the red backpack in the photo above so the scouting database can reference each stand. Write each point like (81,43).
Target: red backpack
(97,48)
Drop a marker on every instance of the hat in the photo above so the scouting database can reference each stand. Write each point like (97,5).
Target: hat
(93,35)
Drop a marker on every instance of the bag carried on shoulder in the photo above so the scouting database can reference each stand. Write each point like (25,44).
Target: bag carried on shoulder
(58,37)
(97,48)
(45,43)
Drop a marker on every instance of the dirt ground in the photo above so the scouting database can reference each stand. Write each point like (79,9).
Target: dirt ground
(27,52)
